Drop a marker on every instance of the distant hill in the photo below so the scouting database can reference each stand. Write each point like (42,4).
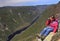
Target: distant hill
(30,34)
(14,18)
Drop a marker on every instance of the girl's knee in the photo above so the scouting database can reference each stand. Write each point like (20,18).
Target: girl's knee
(50,30)
(45,28)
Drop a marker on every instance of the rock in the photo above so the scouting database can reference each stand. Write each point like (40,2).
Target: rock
(49,37)
(56,37)
(6,28)
(58,40)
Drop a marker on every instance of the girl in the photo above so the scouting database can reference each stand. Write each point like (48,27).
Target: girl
(52,26)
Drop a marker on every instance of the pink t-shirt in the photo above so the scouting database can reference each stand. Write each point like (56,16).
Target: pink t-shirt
(54,25)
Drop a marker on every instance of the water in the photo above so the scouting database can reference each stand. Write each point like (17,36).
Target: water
(21,30)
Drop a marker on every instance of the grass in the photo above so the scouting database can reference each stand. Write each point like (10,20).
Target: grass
(30,33)
(9,16)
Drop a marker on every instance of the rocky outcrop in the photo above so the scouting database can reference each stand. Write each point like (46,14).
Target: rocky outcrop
(56,37)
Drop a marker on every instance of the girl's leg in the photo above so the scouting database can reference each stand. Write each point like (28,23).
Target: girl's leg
(44,30)
(48,31)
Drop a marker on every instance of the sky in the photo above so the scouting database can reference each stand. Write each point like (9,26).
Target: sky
(26,2)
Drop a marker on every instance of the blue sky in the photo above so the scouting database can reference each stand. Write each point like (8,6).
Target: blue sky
(26,2)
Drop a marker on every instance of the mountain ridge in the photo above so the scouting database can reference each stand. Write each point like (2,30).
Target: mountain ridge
(14,18)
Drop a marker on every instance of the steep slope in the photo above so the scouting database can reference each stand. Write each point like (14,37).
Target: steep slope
(12,19)
(15,18)
(30,33)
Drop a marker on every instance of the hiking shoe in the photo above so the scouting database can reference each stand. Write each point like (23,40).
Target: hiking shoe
(43,37)
(38,36)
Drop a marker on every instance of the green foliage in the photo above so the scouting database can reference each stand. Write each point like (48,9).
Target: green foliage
(30,33)
(15,18)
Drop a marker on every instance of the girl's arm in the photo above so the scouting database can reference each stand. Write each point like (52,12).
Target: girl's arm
(56,27)
(47,22)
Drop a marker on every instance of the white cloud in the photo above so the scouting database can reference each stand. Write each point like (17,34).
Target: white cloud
(21,2)
(10,2)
